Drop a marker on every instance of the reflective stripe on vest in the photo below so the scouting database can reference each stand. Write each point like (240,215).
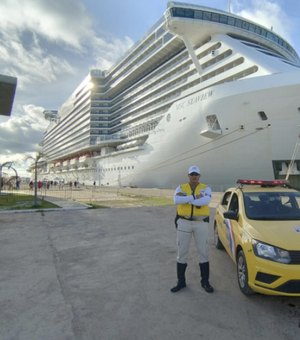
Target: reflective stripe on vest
(186,209)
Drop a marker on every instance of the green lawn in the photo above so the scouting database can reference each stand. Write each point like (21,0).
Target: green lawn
(131,201)
(22,202)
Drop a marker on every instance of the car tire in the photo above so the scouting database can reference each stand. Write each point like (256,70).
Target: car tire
(242,273)
(218,243)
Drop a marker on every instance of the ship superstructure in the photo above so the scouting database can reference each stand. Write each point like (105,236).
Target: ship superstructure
(203,87)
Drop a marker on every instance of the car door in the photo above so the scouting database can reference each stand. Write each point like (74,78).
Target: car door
(231,227)
(223,206)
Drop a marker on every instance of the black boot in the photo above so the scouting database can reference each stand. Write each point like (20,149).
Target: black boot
(204,270)
(181,267)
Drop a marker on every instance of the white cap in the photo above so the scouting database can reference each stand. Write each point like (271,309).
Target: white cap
(194,168)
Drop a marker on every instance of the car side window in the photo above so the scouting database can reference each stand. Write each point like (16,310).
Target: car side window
(226,198)
(234,203)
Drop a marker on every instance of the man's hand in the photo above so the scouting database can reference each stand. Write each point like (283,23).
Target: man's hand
(198,196)
(181,194)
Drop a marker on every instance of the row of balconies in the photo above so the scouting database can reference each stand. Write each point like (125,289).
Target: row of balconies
(81,162)
(69,167)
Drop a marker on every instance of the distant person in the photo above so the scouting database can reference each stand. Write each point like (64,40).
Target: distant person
(18,182)
(40,184)
(192,219)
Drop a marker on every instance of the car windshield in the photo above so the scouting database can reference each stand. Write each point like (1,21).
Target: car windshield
(272,205)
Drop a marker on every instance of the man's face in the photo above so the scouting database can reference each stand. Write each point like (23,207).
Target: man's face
(194,178)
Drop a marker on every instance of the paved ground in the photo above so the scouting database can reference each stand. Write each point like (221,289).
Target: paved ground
(106,274)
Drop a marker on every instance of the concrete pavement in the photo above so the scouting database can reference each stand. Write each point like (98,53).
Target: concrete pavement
(106,274)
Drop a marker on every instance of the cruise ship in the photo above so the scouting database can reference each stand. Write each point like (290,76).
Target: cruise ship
(203,87)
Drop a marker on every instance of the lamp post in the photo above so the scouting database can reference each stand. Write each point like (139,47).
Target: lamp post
(36,160)
(35,180)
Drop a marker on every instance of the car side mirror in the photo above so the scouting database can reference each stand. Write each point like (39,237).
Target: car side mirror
(231,215)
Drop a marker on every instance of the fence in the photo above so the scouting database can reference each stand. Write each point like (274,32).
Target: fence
(85,193)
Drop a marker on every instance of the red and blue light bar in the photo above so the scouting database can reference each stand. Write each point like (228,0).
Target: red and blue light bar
(274,182)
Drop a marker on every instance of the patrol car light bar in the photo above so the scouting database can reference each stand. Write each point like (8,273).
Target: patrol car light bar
(263,182)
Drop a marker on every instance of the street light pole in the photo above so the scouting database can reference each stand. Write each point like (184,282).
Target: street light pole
(36,160)
(35,181)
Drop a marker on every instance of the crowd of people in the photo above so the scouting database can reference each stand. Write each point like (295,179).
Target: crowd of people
(50,184)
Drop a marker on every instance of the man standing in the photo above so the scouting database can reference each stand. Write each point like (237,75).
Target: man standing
(192,201)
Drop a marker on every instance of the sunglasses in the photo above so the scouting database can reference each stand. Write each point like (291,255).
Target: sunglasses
(194,174)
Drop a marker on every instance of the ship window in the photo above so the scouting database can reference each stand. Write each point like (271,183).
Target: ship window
(262,115)
(206,15)
(231,21)
(251,28)
(238,22)
(245,25)
(198,14)
(183,12)
(223,19)
(263,32)
(215,17)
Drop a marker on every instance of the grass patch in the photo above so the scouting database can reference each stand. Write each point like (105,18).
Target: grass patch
(23,202)
(153,201)
(131,201)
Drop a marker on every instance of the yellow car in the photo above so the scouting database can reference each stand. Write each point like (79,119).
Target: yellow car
(258,224)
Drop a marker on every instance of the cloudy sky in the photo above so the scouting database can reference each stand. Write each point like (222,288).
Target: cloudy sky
(51,45)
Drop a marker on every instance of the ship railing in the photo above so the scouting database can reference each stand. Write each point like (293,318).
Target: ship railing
(139,42)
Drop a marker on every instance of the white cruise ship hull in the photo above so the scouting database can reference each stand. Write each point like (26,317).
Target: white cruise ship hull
(246,147)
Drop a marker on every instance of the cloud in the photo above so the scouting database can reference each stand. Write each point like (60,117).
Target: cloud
(30,64)
(31,32)
(48,46)
(22,133)
(64,21)
(40,39)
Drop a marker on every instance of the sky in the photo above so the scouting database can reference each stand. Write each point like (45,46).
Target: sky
(50,46)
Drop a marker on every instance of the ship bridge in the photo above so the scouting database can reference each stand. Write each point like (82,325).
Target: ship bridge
(199,23)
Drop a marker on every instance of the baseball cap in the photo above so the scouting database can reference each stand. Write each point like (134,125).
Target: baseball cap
(194,168)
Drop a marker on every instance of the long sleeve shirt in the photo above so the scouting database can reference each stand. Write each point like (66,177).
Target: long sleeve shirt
(203,200)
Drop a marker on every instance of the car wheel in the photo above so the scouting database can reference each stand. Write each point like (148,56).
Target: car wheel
(218,243)
(242,273)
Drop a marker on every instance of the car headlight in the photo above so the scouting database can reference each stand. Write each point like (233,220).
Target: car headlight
(271,253)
